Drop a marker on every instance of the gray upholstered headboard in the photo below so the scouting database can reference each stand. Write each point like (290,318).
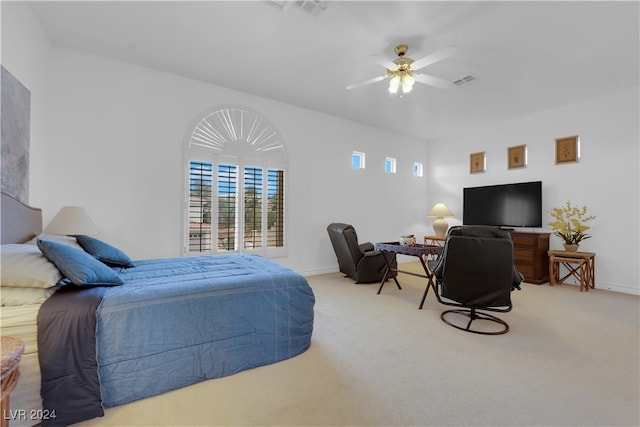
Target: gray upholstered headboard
(19,221)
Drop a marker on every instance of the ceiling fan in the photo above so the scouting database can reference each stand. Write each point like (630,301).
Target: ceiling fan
(403,71)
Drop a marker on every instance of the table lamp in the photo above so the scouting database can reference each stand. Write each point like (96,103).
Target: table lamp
(440,225)
(71,221)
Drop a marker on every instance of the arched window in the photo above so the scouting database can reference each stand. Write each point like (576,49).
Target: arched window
(236,165)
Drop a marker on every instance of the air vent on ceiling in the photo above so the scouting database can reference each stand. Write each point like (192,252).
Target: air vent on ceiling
(310,6)
(464,80)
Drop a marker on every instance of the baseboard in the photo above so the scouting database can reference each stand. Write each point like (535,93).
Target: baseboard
(406,259)
(618,288)
(319,271)
(601,286)
(402,259)
(334,269)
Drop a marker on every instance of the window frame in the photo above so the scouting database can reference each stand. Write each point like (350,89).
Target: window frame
(252,141)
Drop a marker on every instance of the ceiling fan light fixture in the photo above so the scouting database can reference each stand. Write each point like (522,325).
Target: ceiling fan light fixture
(407,82)
(394,84)
(402,81)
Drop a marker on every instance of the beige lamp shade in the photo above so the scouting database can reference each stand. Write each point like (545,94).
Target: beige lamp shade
(71,221)
(440,225)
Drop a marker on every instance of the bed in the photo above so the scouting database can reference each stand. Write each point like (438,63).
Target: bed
(169,323)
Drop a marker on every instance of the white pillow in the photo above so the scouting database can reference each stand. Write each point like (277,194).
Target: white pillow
(25,296)
(24,266)
(58,238)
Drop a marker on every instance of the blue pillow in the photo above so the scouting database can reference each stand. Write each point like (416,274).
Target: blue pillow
(104,252)
(78,266)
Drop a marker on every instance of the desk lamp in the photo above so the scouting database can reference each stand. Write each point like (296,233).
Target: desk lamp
(71,221)
(440,225)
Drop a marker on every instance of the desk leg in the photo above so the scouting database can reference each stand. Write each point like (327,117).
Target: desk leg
(386,274)
(426,290)
(430,282)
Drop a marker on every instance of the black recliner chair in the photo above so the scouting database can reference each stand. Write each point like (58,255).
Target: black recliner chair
(476,271)
(361,262)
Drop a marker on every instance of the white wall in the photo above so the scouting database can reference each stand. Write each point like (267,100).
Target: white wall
(605,179)
(109,136)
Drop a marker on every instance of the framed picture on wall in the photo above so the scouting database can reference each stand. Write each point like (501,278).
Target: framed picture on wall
(477,162)
(517,156)
(567,150)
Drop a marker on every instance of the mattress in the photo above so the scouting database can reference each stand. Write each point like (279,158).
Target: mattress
(20,322)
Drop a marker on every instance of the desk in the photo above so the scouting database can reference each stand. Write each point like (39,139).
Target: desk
(11,349)
(422,252)
(583,271)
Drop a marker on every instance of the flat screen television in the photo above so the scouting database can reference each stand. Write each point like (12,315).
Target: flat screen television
(506,205)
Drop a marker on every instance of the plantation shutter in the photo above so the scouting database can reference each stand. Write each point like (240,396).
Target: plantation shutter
(200,188)
(275,208)
(227,207)
(252,208)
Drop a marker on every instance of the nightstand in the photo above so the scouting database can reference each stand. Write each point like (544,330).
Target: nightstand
(435,240)
(11,349)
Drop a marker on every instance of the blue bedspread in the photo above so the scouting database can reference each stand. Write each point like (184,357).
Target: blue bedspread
(70,387)
(179,321)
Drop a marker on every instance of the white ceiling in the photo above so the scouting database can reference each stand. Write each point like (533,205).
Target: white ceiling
(525,56)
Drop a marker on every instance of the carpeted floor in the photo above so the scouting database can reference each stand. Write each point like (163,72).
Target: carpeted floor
(570,359)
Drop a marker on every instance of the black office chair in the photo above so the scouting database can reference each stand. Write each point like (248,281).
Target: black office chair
(476,271)
(361,262)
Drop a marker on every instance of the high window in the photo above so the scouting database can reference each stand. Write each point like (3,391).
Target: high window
(390,165)
(357,160)
(236,185)
(417,169)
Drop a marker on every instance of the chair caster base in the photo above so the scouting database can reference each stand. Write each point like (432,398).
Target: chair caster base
(472,315)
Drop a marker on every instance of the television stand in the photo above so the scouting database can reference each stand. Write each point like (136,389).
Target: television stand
(530,254)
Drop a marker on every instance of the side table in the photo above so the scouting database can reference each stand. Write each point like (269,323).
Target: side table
(435,240)
(580,265)
(11,349)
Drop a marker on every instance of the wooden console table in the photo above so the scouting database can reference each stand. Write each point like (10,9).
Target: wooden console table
(422,252)
(530,255)
(583,271)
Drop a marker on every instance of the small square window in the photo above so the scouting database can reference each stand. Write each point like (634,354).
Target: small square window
(357,160)
(390,165)
(417,169)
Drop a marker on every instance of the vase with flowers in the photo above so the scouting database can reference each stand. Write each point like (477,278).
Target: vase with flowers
(569,223)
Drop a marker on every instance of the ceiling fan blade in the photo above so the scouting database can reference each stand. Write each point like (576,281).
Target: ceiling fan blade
(434,81)
(366,82)
(433,58)
(384,61)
